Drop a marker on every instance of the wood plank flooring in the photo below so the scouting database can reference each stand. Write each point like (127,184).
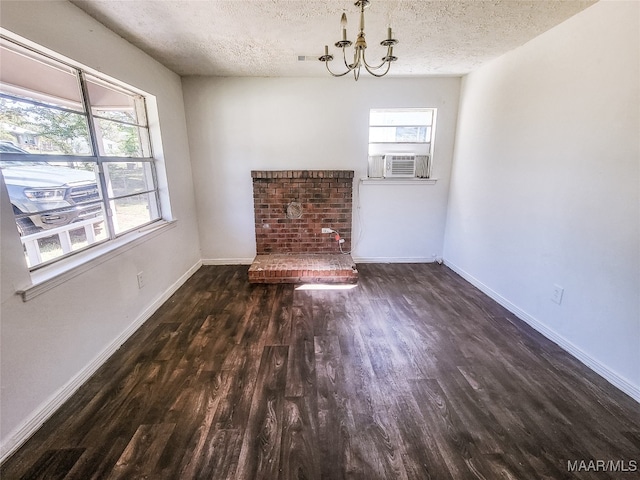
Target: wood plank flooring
(413,374)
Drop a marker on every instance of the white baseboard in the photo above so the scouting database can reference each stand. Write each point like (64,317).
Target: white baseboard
(249,261)
(612,377)
(41,414)
(227,261)
(393,259)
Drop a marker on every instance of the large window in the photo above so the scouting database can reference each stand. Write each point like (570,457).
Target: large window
(401,142)
(75,155)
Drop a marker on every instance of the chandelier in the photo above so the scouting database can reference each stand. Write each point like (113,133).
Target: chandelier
(359,59)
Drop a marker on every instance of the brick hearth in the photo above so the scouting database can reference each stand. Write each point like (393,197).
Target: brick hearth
(291,207)
(300,268)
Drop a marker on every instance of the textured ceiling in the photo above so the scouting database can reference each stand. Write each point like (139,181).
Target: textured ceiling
(265,37)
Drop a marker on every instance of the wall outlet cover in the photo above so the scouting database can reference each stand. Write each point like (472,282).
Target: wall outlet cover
(556,295)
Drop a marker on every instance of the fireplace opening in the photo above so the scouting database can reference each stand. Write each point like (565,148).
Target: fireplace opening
(297,216)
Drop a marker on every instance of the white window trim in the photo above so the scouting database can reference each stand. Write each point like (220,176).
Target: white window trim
(55,274)
(398,181)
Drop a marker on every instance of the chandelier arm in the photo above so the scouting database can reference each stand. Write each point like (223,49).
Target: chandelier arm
(357,57)
(378,74)
(370,67)
(344,57)
(335,74)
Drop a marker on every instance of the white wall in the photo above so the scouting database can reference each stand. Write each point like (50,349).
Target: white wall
(545,191)
(545,186)
(237,125)
(50,343)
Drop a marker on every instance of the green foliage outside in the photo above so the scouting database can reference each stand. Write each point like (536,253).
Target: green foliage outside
(65,133)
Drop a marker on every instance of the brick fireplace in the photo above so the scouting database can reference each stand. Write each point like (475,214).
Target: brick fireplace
(291,207)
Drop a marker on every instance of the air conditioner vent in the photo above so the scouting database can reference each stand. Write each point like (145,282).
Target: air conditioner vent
(399,165)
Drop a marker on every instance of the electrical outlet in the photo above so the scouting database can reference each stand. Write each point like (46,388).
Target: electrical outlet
(327,230)
(140,279)
(556,296)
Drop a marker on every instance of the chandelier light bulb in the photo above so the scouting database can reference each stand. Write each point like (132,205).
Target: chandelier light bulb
(343,25)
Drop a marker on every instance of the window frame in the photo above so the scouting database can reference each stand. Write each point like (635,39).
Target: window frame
(115,238)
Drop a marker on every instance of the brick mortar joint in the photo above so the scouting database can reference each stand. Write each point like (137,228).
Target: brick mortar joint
(297,174)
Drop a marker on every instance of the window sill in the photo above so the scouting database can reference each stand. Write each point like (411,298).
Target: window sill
(49,277)
(398,181)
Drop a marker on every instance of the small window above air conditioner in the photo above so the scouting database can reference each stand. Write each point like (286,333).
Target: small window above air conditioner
(400,165)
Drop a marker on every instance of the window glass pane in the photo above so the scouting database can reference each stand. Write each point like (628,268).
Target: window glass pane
(412,134)
(399,134)
(41,129)
(29,75)
(401,117)
(46,245)
(119,140)
(112,102)
(47,195)
(382,134)
(127,178)
(131,212)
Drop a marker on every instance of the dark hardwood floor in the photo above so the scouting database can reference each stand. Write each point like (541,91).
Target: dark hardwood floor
(414,374)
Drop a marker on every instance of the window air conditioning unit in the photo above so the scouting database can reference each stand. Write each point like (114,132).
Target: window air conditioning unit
(400,165)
